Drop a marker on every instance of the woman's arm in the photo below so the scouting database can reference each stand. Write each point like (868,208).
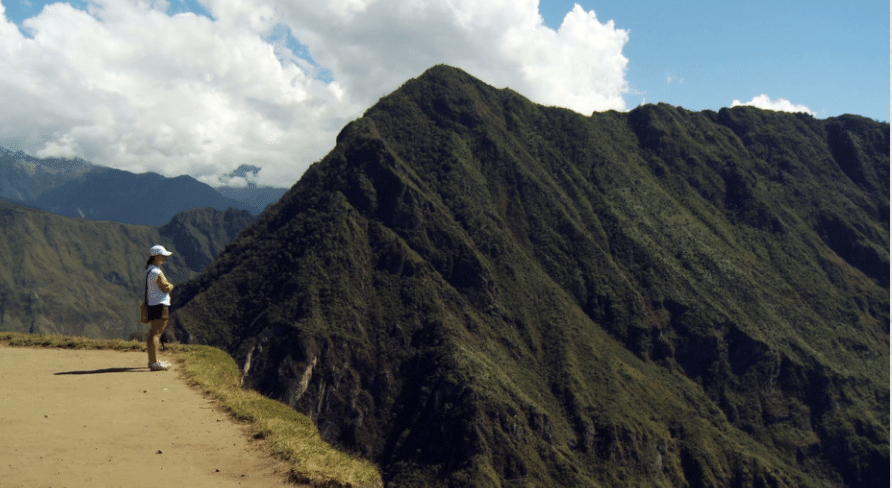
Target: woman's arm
(163,284)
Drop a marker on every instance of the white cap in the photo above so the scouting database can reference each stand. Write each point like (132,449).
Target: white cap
(158,250)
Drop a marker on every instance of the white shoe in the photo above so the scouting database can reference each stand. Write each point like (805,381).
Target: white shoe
(159,366)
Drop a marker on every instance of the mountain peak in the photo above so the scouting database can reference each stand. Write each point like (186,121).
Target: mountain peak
(446,73)
(476,290)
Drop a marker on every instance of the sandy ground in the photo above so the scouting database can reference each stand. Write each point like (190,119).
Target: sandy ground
(71,418)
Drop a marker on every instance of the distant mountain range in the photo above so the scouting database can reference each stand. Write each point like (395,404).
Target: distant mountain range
(475,290)
(77,188)
(76,276)
(23,178)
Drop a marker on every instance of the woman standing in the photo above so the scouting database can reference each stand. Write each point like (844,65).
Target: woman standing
(158,300)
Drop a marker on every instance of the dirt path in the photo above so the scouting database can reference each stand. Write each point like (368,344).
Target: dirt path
(76,418)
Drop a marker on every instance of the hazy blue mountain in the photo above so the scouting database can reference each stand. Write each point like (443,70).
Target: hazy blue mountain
(256,198)
(77,188)
(23,178)
(121,196)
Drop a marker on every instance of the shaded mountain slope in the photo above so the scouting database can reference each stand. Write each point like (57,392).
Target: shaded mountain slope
(200,234)
(77,188)
(80,277)
(474,290)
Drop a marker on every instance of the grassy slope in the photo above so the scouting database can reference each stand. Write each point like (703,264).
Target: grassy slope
(288,434)
(70,276)
(73,276)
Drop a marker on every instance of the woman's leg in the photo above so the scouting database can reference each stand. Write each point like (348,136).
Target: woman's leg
(153,343)
(159,325)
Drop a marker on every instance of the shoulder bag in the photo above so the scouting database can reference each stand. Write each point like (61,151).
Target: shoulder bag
(144,308)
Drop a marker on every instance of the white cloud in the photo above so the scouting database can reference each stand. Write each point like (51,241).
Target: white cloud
(237,182)
(765,102)
(127,84)
(374,45)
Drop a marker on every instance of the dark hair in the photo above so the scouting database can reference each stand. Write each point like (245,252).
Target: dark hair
(150,261)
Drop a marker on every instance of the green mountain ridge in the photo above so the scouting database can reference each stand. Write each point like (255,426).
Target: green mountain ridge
(474,290)
(74,276)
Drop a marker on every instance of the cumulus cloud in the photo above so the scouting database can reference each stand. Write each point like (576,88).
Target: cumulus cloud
(374,45)
(765,102)
(134,85)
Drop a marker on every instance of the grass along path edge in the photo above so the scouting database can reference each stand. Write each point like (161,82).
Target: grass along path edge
(288,434)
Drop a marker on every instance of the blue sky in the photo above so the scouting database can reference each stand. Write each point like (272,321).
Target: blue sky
(200,87)
(830,56)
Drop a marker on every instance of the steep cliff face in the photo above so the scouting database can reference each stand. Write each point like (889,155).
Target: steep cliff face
(200,234)
(474,290)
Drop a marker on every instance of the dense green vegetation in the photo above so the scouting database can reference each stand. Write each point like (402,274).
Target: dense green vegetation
(474,290)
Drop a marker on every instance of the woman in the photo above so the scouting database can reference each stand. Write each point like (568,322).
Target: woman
(158,300)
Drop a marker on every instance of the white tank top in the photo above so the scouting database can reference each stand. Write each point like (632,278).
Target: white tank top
(155,295)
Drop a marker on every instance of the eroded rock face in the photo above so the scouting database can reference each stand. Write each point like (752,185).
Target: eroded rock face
(473,290)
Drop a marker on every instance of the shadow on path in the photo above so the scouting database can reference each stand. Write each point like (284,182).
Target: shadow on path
(108,370)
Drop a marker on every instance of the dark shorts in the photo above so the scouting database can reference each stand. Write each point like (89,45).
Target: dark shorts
(158,312)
